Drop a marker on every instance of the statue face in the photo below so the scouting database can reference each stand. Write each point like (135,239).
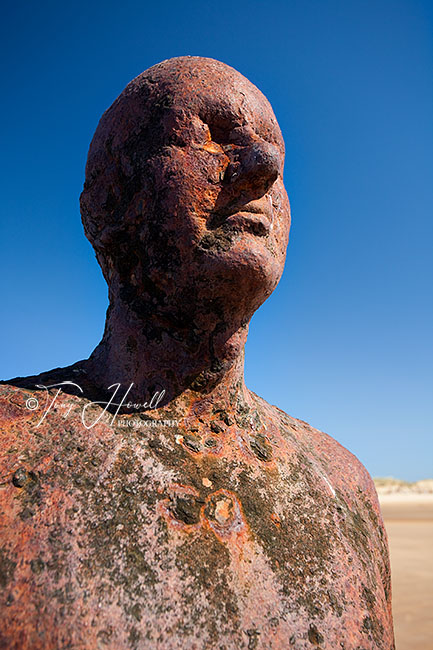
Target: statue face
(215,215)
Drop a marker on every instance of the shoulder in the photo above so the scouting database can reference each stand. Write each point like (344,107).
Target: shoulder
(21,397)
(47,378)
(38,413)
(340,468)
(319,457)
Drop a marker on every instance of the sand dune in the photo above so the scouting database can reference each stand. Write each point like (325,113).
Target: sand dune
(408,513)
(396,486)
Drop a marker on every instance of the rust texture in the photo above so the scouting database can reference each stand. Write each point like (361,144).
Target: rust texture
(215,520)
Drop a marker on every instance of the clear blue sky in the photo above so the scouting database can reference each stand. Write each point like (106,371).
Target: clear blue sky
(345,340)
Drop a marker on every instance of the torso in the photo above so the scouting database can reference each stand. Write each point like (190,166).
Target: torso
(254,531)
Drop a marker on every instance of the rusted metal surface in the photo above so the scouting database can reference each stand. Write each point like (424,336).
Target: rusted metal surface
(228,524)
(123,540)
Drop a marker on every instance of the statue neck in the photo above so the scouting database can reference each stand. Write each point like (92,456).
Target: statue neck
(194,369)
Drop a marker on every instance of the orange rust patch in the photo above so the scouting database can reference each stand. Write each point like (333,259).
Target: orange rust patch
(275,519)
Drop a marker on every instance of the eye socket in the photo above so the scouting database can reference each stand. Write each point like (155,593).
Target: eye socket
(228,138)
(219,133)
(220,126)
(229,134)
(233,138)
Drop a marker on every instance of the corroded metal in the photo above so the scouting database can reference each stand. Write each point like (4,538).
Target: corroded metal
(216,520)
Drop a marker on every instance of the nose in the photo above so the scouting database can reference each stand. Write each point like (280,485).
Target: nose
(255,167)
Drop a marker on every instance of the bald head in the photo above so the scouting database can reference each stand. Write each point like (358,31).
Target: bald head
(185,168)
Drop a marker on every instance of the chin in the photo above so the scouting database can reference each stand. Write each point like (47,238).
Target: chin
(248,271)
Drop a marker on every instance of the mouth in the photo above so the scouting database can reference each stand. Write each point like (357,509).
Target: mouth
(255,217)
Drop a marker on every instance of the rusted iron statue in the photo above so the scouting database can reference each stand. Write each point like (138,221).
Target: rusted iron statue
(215,520)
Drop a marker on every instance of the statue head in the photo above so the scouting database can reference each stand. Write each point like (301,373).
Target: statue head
(183,200)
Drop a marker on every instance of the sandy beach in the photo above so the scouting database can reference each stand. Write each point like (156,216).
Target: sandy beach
(408,516)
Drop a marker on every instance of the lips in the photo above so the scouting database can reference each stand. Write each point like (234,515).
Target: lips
(254,216)
(253,222)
